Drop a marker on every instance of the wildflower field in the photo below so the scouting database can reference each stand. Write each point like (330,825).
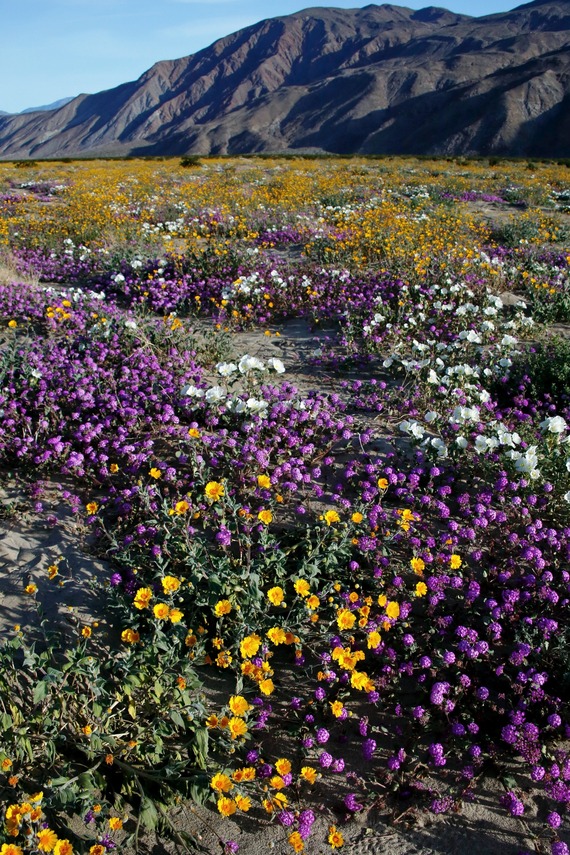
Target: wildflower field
(312,417)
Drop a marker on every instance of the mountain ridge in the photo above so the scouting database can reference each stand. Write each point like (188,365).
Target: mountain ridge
(378,79)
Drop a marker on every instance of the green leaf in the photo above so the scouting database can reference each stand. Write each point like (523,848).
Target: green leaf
(148,814)
(132,710)
(201,746)
(200,790)
(177,719)
(58,782)
(85,781)
(40,691)
(27,745)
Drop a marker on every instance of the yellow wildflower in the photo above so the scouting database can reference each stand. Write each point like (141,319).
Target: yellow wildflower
(335,838)
(222,607)
(277,635)
(237,727)
(238,705)
(345,619)
(46,839)
(161,611)
(275,595)
(283,766)
(393,610)
(418,565)
(309,774)
(249,646)
(142,598)
(214,490)
(221,783)
(243,803)
(226,806)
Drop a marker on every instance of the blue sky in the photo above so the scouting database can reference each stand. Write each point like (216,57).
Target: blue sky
(51,49)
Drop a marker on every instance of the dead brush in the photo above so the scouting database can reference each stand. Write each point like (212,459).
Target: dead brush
(9,272)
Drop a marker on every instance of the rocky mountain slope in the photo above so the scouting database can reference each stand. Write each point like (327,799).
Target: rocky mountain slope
(381,79)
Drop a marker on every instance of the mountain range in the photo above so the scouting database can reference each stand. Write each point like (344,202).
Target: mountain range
(376,80)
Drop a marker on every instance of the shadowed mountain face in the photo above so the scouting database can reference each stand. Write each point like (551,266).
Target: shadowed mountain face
(382,79)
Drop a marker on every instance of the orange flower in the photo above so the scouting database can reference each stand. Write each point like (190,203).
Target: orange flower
(130,636)
(296,841)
